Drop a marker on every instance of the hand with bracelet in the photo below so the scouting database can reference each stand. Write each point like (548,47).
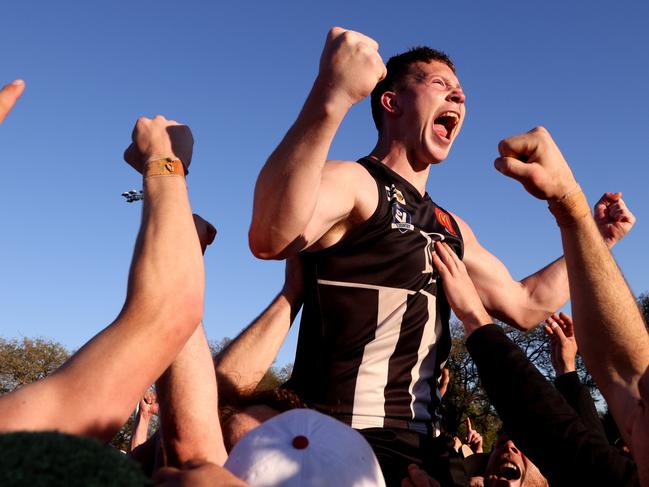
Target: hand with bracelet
(534,160)
(157,144)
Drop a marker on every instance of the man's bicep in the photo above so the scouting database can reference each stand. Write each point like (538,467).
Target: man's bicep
(502,296)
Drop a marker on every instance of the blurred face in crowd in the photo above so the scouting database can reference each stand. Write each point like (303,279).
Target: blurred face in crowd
(239,424)
(509,467)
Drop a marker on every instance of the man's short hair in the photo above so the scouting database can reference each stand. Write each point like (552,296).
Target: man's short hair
(397,68)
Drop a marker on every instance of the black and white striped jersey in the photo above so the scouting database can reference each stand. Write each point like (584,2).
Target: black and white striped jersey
(374,331)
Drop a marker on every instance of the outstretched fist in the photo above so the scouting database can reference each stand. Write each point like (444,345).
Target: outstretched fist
(350,65)
(9,95)
(534,160)
(159,138)
(613,218)
(206,231)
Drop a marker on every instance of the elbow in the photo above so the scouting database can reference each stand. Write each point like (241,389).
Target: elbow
(262,250)
(267,247)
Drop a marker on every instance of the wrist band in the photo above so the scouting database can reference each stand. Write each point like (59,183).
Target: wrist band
(571,207)
(164,167)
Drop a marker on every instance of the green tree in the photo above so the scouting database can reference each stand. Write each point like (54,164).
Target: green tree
(28,360)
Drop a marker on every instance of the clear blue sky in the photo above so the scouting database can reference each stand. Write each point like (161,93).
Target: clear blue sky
(237,73)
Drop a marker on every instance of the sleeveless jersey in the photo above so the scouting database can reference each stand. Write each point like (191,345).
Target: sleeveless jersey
(374,331)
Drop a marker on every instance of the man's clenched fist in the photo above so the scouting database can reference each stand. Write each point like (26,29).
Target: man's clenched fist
(159,138)
(350,65)
(534,160)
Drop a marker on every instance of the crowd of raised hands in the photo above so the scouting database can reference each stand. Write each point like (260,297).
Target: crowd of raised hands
(93,394)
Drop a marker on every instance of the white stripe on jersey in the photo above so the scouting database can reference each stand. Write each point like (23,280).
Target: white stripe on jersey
(372,377)
(425,368)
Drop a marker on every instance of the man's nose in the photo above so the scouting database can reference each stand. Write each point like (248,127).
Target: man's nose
(456,95)
(511,447)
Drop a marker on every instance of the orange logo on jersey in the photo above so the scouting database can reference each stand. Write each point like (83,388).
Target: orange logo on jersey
(445,220)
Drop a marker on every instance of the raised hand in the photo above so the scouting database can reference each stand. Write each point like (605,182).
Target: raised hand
(159,138)
(534,160)
(473,438)
(149,404)
(459,289)
(563,346)
(350,65)
(9,95)
(613,218)
(206,231)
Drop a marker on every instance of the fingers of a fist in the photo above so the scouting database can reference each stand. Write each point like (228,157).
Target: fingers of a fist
(350,36)
(9,95)
(523,145)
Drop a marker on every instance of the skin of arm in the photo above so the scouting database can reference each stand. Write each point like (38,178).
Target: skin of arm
(164,303)
(292,187)
(530,407)
(243,363)
(188,394)
(610,331)
(524,304)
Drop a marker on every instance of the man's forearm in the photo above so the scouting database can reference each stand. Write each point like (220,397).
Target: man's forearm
(610,331)
(140,430)
(547,291)
(189,406)
(243,363)
(286,192)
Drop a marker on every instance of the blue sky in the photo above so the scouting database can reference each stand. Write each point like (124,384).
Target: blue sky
(238,73)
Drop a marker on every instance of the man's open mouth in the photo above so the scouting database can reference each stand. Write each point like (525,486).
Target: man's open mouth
(509,471)
(445,124)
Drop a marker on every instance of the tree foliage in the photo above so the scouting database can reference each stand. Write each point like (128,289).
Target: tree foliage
(466,397)
(28,360)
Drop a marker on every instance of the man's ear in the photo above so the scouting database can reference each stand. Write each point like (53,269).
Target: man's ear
(390,103)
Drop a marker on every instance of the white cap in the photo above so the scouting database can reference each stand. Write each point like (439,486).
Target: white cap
(302,447)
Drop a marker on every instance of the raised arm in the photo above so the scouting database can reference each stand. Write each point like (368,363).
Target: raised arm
(526,303)
(243,363)
(610,331)
(95,391)
(292,185)
(187,394)
(147,408)
(533,412)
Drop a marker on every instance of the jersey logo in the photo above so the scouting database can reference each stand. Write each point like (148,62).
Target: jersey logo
(401,219)
(394,194)
(445,220)
(431,238)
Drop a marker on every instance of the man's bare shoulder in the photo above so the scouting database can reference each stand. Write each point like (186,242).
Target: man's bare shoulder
(352,178)
(348,197)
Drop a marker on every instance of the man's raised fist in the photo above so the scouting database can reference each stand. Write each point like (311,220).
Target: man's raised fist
(350,65)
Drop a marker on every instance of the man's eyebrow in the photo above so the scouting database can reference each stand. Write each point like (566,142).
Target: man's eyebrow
(421,75)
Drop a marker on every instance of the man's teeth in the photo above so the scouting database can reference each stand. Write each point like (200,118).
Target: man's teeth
(450,114)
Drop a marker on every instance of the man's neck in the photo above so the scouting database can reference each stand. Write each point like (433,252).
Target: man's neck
(397,158)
